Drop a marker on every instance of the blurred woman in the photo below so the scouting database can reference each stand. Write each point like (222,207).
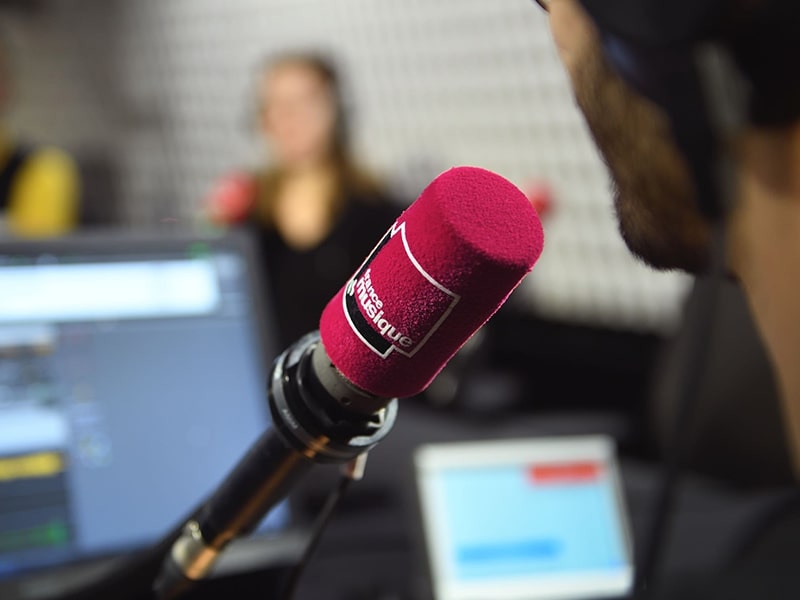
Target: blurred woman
(316,213)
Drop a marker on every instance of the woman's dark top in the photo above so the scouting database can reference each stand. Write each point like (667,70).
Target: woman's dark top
(300,283)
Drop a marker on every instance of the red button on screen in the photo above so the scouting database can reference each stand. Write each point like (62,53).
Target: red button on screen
(568,472)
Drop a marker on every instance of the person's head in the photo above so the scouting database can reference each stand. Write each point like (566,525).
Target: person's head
(656,196)
(653,193)
(300,112)
(654,190)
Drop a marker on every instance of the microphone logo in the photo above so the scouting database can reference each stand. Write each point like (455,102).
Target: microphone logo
(392,303)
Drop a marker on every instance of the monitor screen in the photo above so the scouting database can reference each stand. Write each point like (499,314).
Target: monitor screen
(524,519)
(132,377)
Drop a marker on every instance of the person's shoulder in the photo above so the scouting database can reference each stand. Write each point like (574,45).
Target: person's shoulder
(45,194)
(50,162)
(48,172)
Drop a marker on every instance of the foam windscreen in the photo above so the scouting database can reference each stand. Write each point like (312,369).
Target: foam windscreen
(444,267)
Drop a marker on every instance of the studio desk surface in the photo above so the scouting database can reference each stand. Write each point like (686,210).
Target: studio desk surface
(373,549)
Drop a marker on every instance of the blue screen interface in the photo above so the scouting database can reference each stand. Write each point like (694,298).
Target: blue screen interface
(518,521)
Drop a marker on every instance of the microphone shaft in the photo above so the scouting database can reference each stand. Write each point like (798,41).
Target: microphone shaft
(261,479)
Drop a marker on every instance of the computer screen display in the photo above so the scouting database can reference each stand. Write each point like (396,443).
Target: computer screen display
(132,378)
(524,519)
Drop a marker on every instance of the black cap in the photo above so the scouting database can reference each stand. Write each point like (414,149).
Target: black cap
(763,37)
(657,22)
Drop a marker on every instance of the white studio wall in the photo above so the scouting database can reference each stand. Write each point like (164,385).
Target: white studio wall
(433,83)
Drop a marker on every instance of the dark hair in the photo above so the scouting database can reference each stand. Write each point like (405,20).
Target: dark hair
(761,35)
(653,46)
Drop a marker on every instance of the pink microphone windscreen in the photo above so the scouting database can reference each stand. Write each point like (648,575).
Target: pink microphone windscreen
(444,267)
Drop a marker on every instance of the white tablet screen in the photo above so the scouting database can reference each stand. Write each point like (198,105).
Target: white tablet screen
(524,519)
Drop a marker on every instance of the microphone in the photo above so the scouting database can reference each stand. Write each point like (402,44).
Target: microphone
(444,267)
(231,199)
(441,271)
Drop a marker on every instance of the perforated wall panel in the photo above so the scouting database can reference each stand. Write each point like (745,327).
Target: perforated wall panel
(431,84)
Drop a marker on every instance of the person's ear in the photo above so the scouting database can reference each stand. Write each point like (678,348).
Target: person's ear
(794,160)
(772,157)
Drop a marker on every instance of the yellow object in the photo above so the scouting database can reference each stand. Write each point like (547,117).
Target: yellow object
(40,464)
(44,195)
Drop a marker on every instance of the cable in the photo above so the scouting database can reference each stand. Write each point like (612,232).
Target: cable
(353,471)
(727,101)
(321,522)
(702,315)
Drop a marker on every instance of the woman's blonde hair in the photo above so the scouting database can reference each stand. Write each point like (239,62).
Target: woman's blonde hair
(351,178)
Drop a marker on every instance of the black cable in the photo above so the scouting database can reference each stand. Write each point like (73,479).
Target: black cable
(320,523)
(701,314)
(771,518)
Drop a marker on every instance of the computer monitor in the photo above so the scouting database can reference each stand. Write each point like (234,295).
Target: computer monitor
(133,375)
